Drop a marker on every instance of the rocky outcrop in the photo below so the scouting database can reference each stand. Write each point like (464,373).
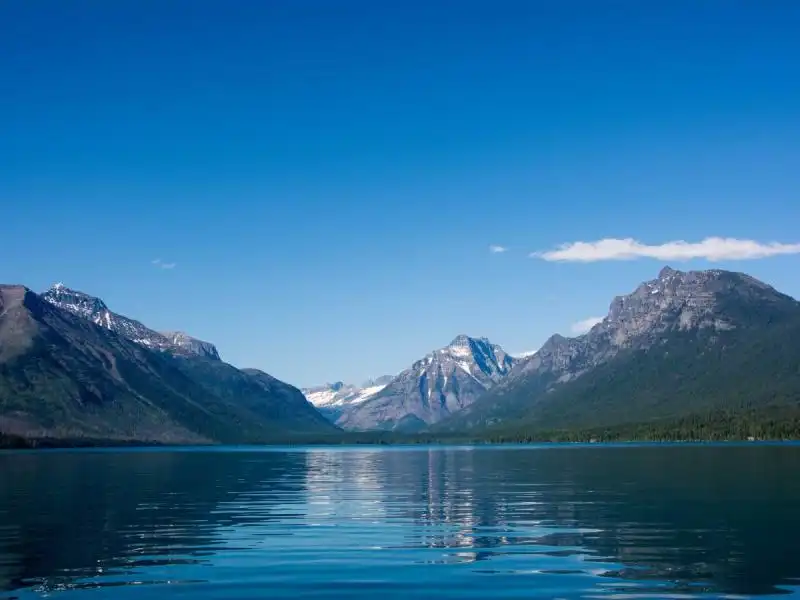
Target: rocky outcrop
(191,345)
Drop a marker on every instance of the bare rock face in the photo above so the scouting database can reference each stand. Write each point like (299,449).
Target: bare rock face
(191,345)
(676,301)
(443,382)
(673,300)
(17,327)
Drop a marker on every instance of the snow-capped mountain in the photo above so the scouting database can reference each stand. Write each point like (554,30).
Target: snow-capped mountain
(95,310)
(333,398)
(441,383)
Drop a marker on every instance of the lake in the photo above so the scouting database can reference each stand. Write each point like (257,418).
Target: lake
(628,521)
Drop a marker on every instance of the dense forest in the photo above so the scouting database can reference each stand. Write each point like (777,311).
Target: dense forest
(781,423)
(752,373)
(15,442)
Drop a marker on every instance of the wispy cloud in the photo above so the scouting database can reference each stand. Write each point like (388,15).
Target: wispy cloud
(160,264)
(712,249)
(585,325)
(494,249)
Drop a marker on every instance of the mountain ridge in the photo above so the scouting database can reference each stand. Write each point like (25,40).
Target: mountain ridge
(683,344)
(65,375)
(96,310)
(689,304)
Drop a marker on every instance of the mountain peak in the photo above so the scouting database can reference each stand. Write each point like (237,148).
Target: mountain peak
(382,380)
(12,296)
(60,286)
(670,344)
(61,377)
(686,301)
(463,339)
(683,300)
(74,301)
(442,382)
(668,272)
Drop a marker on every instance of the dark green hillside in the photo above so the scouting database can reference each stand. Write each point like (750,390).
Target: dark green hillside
(693,344)
(64,377)
(739,371)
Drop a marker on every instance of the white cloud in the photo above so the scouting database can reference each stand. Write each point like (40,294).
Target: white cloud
(497,249)
(585,325)
(524,354)
(163,265)
(712,249)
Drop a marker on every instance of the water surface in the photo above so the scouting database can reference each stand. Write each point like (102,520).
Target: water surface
(523,522)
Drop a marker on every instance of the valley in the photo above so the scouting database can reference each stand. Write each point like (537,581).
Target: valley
(686,355)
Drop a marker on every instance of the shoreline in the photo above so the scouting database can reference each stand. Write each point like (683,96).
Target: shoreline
(53,444)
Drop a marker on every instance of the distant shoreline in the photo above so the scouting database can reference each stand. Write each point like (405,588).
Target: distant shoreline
(720,426)
(19,443)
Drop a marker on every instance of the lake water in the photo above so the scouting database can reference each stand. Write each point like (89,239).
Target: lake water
(521,522)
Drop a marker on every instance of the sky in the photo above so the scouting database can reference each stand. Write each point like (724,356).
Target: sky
(328,190)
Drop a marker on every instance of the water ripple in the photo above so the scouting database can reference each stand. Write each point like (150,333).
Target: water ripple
(638,522)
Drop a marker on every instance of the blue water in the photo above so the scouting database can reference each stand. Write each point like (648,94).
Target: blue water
(524,522)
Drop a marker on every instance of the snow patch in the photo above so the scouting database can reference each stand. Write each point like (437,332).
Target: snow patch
(345,396)
(366,394)
(459,351)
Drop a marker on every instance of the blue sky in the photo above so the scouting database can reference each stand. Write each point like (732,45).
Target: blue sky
(326,178)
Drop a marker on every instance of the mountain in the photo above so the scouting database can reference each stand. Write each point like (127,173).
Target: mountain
(184,343)
(680,344)
(69,370)
(443,382)
(95,310)
(333,399)
(382,380)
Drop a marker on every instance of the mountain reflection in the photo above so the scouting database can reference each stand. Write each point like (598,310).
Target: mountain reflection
(677,519)
(722,517)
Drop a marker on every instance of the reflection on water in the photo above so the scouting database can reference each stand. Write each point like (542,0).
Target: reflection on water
(557,522)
